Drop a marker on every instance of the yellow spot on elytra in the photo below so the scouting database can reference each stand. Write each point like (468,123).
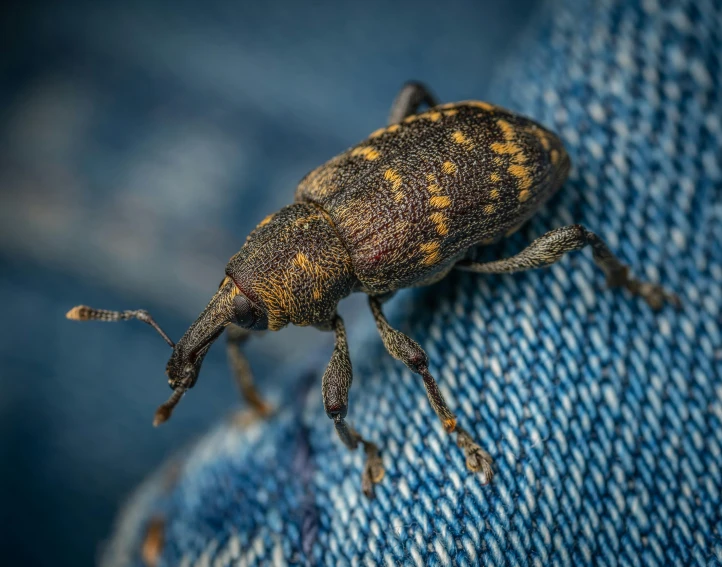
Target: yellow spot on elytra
(431,252)
(440,201)
(554,156)
(434,188)
(494,193)
(495,178)
(265,221)
(395,178)
(377,133)
(449,167)
(439,219)
(462,140)
(542,137)
(507,129)
(393,128)
(498,161)
(447,105)
(506,148)
(489,209)
(522,174)
(367,152)
(316,294)
(450,112)
(431,178)
(479,104)
(433,115)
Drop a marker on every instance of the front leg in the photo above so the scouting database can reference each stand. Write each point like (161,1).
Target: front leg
(335,387)
(242,370)
(412,355)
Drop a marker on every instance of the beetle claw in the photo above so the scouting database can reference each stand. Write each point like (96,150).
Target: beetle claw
(477,460)
(654,294)
(374,471)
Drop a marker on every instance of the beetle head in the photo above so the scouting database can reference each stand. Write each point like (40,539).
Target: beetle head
(228,305)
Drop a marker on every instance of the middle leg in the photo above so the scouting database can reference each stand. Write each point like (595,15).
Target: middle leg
(335,387)
(412,355)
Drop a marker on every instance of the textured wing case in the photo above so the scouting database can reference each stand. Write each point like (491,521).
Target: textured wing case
(408,201)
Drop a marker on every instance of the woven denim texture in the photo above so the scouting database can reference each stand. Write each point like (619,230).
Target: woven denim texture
(604,418)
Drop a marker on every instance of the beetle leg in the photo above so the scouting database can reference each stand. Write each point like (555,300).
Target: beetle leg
(412,355)
(550,247)
(335,387)
(411,96)
(242,370)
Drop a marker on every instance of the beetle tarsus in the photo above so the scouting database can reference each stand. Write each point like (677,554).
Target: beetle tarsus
(654,294)
(412,355)
(374,471)
(477,460)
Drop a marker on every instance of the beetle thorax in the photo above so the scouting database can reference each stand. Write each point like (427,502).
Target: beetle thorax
(294,266)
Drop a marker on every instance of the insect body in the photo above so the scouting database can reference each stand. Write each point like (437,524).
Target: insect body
(400,209)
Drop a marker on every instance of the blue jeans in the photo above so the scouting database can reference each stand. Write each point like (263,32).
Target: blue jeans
(603,417)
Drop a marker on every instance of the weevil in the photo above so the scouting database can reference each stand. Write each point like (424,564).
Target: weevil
(400,209)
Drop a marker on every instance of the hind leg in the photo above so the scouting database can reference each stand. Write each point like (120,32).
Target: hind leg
(411,96)
(549,249)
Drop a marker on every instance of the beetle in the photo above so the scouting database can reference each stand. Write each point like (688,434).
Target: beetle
(400,209)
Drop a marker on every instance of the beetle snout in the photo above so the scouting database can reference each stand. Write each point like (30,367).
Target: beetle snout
(186,378)
(181,370)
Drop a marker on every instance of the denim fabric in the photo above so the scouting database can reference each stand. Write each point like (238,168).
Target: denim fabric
(604,418)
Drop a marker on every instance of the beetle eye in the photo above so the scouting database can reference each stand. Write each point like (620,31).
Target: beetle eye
(243,311)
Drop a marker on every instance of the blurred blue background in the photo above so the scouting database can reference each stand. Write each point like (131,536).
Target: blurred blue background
(139,143)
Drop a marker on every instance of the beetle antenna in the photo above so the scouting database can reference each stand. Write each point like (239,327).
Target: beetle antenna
(164,411)
(85,313)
